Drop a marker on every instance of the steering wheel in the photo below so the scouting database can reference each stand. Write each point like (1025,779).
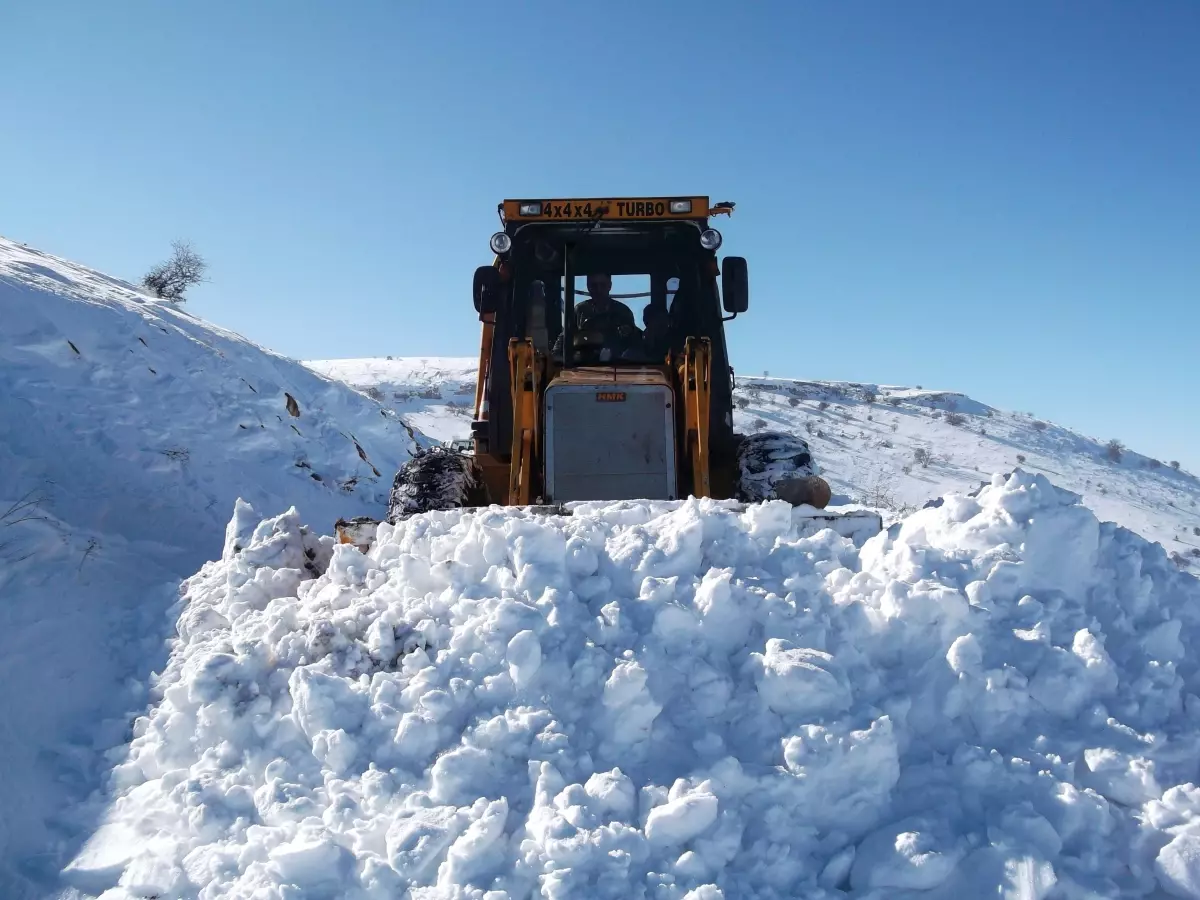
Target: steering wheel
(594,342)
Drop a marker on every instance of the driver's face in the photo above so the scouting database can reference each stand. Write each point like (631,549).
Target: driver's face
(599,286)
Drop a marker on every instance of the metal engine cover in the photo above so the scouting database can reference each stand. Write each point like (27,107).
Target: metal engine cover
(613,441)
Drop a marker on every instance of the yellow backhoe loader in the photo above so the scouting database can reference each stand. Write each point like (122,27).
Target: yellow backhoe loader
(576,401)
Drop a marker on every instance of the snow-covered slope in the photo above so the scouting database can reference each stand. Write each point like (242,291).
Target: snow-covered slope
(435,395)
(891,447)
(997,697)
(128,428)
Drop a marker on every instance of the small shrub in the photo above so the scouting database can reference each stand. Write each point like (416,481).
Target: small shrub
(1153,463)
(793,401)
(170,280)
(870,418)
(907,469)
(1021,458)
(937,414)
(808,426)
(742,402)
(374,393)
(1179,559)
(895,401)
(923,457)
(870,396)
(1113,450)
(1196,531)
(1040,426)
(758,424)
(823,405)
(1175,464)
(954,418)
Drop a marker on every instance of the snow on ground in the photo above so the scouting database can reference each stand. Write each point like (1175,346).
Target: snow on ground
(129,428)
(897,448)
(894,448)
(673,700)
(434,394)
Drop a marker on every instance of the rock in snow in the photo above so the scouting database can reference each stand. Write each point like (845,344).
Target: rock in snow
(674,700)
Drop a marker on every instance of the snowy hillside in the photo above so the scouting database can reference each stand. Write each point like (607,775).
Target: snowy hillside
(891,447)
(129,429)
(897,448)
(996,698)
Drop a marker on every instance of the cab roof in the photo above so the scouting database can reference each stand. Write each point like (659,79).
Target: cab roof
(623,209)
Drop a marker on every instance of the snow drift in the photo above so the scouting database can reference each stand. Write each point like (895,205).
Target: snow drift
(128,428)
(672,700)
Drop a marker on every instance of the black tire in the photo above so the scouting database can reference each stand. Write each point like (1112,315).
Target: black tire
(775,465)
(434,479)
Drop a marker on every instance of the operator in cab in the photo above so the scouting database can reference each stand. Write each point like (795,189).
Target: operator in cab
(604,327)
(602,313)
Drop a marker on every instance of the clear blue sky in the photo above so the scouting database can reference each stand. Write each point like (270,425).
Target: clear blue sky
(996,197)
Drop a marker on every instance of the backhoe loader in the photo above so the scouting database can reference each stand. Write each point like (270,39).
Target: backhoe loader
(566,411)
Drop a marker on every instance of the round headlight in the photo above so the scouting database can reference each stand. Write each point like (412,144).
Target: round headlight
(710,239)
(502,243)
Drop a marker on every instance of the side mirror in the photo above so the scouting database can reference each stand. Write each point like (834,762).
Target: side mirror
(486,289)
(735,285)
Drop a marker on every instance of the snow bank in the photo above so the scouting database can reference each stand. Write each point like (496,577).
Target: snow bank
(128,427)
(673,701)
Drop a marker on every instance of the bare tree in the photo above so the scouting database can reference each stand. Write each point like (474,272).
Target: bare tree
(1113,450)
(170,280)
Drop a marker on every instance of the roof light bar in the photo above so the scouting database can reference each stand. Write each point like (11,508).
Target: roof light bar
(681,206)
(531,209)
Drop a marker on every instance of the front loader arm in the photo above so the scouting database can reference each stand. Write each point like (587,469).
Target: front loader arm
(695,374)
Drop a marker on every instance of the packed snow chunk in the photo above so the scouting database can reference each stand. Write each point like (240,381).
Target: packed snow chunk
(914,854)
(679,821)
(844,778)
(628,700)
(800,681)
(308,861)
(1120,777)
(1178,866)
(524,657)
(673,699)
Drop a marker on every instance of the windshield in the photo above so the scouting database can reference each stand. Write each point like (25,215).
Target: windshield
(618,319)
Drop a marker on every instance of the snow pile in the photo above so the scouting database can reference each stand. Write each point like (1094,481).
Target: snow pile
(673,700)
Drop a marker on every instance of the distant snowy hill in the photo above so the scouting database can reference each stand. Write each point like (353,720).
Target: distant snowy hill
(891,447)
(129,428)
(434,394)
